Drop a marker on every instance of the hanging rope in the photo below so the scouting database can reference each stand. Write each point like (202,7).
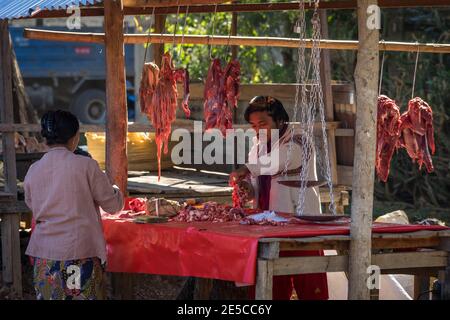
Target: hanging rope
(382,68)
(149,32)
(415,71)
(229,36)
(176,25)
(213,20)
(184,30)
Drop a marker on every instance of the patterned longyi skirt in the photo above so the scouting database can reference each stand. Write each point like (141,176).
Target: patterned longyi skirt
(69,280)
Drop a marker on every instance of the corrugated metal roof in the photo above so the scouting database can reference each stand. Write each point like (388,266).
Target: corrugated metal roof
(14,9)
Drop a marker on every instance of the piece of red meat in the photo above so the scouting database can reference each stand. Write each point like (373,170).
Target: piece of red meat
(417,133)
(159,98)
(239,196)
(388,124)
(221,95)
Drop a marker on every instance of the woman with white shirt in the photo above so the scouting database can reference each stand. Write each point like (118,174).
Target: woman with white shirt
(65,192)
(268,163)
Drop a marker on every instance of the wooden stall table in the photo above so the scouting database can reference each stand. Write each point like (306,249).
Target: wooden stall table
(249,254)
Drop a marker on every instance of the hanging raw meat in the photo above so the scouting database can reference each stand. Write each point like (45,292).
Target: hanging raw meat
(417,133)
(221,95)
(239,196)
(388,123)
(158,98)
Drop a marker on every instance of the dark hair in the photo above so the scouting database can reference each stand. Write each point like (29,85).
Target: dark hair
(272,106)
(59,126)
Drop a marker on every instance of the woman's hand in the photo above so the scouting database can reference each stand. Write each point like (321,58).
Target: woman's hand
(239,174)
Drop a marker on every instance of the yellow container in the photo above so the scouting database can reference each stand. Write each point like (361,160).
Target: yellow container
(141,151)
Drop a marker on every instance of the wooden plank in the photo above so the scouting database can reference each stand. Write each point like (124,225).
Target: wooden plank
(386,261)
(303,265)
(116,111)
(264,279)
(168,3)
(11,264)
(269,250)
(140,127)
(14,207)
(241,7)
(401,241)
(233,41)
(7,196)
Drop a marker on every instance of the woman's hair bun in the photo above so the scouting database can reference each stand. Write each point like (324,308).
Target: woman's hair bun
(57,127)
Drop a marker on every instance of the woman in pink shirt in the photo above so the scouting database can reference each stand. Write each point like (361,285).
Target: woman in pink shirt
(65,192)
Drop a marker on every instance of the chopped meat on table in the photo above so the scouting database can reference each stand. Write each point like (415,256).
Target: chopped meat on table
(158,98)
(211,211)
(221,95)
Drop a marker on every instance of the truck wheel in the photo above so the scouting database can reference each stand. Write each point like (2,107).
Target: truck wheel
(90,106)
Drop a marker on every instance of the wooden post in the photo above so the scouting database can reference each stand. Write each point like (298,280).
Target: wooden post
(116,111)
(264,280)
(366,79)
(12,267)
(116,116)
(325,76)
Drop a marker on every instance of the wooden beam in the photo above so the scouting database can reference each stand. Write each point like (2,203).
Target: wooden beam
(116,110)
(142,127)
(386,262)
(243,7)
(366,80)
(168,3)
(233,40)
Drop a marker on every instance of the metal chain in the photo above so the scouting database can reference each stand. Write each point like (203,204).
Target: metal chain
(315,104)
(319,95)
(300,78)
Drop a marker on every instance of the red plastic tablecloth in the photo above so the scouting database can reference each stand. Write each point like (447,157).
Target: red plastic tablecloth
(226,251)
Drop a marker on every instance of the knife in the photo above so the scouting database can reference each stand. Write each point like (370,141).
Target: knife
(298,183)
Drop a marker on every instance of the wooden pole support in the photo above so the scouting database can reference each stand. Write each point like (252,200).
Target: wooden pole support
(12,267)
(116,110)
(366,80)
(264,280)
